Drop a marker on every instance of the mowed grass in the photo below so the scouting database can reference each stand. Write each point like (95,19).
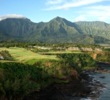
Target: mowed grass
(24,55)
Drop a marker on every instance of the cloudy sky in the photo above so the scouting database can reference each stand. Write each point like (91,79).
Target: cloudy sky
(45,10)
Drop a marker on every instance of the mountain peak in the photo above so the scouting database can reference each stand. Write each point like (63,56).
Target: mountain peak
(12,16)
(58,18)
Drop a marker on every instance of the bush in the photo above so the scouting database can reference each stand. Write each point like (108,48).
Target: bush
(56,69)
(17,80)
(6,55)
(77,61)
(104,57)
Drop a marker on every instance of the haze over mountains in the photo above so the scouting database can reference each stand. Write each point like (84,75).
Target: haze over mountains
(57,30)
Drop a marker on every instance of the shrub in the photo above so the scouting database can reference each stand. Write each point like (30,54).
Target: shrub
(77,61)
(6,55)
(17,80)
(104,57)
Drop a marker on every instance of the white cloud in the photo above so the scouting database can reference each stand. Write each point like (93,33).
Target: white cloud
(84,9)
(80,18)
(52,2)
(101,12)
(71,3)
(91,13)
(11,16)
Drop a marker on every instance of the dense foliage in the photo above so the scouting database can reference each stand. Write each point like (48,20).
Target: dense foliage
(17,80)
(77,61)
(104,57)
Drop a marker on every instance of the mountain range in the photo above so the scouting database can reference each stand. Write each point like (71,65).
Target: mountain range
(57,30)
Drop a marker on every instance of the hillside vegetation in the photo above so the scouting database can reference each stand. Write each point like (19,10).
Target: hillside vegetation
(57,30)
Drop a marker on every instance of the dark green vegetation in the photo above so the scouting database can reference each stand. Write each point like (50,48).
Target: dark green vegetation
(5,55)
(104,57)
(78,61)
(18,80)
(58,30)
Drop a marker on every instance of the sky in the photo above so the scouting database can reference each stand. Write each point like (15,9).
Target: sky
(45,10)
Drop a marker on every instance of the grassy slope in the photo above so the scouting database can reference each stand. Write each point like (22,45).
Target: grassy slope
(24,55)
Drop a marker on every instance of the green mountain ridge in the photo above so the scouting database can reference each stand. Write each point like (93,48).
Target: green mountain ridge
(57,30)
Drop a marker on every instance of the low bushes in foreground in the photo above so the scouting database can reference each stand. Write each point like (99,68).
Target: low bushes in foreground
(17,80)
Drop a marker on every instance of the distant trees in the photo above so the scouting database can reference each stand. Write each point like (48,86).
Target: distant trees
(15,44)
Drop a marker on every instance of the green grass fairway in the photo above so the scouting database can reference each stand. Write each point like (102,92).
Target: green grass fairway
(24,55)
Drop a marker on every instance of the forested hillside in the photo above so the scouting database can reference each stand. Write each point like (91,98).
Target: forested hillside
(57,30)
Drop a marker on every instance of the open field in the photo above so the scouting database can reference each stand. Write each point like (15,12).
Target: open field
(27,56)
(24,55)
